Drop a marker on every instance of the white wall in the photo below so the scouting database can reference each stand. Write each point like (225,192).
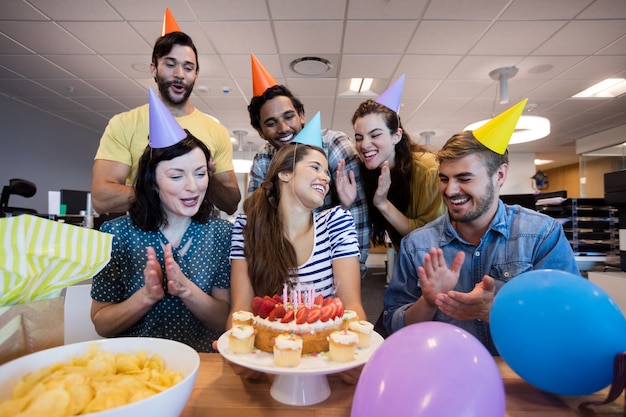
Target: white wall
(44,149)
(521,169)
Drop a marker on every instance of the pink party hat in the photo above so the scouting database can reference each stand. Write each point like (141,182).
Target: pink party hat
(261,78)
(169,23)
(392,95)
(164,129)
(497,132)
(311,133)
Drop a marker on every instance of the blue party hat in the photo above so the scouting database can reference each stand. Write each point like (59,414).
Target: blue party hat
(392,95)
(164,129)
(311,133)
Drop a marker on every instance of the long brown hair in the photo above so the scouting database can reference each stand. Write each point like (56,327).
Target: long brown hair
(400,192)
(271,256)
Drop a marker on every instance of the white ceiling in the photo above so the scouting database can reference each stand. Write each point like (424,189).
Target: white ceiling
(86,60)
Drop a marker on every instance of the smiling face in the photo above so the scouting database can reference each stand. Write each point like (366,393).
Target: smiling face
(176,74)
(375,143)
(280,122)
(309,181)
(182,183)
(468,190)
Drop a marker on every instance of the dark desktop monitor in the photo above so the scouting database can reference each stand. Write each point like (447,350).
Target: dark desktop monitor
(75,201)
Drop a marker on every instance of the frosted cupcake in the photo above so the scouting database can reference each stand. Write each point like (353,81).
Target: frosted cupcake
(348,317)
(241,339)
(342,344)
(242,317)
(363,330)
(287,350)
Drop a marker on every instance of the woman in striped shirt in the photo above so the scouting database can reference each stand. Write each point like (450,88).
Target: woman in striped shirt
(281,240)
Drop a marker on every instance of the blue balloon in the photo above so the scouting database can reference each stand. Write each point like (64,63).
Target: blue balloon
(558,331)
(430,369)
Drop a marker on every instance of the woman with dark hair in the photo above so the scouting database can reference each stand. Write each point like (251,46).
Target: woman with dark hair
(400,177)
(281,240)
(169,272)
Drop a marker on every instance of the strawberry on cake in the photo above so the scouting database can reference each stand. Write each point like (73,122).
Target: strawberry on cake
(313,321)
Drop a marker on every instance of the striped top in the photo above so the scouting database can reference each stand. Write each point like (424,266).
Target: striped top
(335,238)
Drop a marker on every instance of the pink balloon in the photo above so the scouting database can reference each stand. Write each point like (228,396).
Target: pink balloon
(430,369)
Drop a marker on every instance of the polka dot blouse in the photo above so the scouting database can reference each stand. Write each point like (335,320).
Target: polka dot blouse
(205,263)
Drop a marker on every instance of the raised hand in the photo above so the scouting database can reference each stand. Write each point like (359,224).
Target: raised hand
(384,183)
(345,184)
(177,283)
(435,276)
(153,277)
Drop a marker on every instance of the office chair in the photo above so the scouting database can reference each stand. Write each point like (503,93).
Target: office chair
(19,187)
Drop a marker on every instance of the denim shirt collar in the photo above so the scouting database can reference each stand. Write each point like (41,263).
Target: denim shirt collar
(498,225)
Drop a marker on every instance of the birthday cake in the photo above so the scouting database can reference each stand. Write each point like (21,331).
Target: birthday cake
(313,320)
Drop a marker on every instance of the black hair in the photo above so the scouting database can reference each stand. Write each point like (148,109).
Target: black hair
(146,210)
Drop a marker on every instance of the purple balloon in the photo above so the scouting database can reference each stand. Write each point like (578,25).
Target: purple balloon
(430,369)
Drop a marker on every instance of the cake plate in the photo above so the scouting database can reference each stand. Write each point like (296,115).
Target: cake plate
(305,384)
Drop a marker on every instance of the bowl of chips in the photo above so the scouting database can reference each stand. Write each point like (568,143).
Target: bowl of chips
(127,376)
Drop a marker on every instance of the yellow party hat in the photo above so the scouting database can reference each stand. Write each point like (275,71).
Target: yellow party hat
(497,132)
(169,23)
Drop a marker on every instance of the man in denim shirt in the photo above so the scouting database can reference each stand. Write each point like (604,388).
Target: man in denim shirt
(484,241)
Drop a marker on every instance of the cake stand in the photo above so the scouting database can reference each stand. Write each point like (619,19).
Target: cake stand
(305,384)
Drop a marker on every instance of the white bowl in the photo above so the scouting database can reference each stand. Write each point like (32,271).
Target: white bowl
(177,356)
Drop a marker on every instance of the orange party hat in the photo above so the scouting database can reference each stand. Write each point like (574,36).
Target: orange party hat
(169,23)
(261,79)
(497,132)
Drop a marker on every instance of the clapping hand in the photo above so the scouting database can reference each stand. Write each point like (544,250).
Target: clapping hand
(384,183)
(345,185)
(153,277)
(474,305)
(435,277)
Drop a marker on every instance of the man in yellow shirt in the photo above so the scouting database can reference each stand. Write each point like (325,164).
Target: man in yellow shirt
(174,67)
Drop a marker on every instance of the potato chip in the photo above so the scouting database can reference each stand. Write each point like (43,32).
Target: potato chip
(52,403)
(95,381)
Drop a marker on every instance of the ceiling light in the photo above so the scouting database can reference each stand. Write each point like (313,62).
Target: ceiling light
(359,85)
(611,87)
(543,161)
(528,128)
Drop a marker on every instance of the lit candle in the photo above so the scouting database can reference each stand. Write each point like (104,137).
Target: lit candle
(294,300)
(285,294)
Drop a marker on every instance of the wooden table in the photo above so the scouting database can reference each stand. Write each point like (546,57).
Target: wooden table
(219,392)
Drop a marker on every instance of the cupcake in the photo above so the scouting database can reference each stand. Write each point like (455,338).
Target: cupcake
(241,339)
(242,317)
(348,317)
(287,350)
(363,330)
(341,345)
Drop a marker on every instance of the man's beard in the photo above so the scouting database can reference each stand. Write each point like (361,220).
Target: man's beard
(165,91)
(482,206)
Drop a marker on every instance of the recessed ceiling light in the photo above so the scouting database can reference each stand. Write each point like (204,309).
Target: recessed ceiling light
(359,85)
(609,88)
(310,65)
